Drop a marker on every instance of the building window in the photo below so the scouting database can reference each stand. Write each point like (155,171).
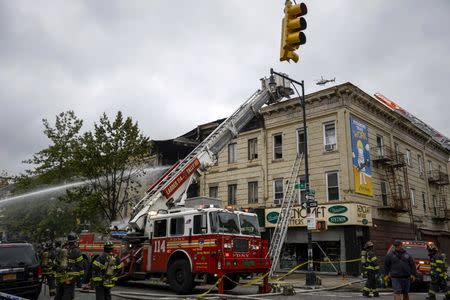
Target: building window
(408,157)
(301,139)
(434,205)
(397,151)
(412,194)
(380,146)
(277,146)
(252,149)
(177,226)
(384,194)
(277,191)
(333,186)
(400,191)
(214,191)
(253,192)
(430,168)
(232,153)
(424,202)
(232,189)
(302,191)
(329,136)
(420,162)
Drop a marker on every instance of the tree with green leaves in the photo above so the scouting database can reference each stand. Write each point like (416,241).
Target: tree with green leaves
(112,157)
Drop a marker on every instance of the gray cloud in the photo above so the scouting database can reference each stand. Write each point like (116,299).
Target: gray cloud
(171,66)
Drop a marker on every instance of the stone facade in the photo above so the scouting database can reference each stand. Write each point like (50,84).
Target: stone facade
(241,171)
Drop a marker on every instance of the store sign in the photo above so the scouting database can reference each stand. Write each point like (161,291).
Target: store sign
(333,215)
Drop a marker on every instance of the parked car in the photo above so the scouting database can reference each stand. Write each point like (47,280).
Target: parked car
(418,250)
(20,272)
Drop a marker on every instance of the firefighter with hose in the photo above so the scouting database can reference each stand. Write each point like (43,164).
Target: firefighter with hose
(105,270)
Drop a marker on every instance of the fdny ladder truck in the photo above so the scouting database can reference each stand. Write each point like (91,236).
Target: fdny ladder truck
(186,242)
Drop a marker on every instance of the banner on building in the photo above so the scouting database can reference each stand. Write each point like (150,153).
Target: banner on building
(362,169)
(333,214)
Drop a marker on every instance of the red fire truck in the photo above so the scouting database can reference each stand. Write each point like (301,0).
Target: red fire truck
(186,242)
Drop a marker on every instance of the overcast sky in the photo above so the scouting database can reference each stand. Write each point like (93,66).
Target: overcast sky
(172,65)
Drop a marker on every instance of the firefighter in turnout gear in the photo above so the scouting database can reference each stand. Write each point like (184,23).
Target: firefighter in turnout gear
(48,258)
(371,270)
(438,273)
(69,266)
(105,270)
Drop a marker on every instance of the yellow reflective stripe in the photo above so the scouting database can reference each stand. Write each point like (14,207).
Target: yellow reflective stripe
(119,266)
(439,261)
(96,278)
(98,264)
(79,259)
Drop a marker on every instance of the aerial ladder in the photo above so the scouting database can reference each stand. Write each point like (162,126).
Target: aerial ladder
(279,234)
(171,189)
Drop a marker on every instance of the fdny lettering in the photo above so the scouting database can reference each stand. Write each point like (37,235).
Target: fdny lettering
(181,178)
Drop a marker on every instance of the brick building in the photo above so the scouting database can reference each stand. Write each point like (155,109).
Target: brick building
(377,173)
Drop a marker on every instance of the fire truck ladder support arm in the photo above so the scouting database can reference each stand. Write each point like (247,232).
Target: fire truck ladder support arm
(171,187)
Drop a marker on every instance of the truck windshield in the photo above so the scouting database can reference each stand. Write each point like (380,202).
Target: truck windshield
(249,224)
(224,222)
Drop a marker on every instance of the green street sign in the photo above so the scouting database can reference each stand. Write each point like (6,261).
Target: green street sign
(299,186)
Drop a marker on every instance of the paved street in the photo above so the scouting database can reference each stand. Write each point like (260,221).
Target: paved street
(150,291)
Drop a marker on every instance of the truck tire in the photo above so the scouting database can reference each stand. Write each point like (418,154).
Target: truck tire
(180,277)
(228,284)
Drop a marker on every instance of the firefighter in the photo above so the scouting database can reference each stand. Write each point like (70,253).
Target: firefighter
(48,263)
(438,273)
(371,269)
(69,266)
(105,270)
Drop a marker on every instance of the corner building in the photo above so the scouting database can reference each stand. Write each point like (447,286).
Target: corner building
(377,174)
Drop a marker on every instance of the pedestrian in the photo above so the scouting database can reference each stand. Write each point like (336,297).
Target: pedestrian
(48,258)
(105,270)
(69,266)
(371,270)
(438,273)
(399,266)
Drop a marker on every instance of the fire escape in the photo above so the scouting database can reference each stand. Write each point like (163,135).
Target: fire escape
(396,175)
(439,182)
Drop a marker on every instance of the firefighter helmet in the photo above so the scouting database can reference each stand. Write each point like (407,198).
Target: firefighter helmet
(72,237)
(431,247)
(108,247)
(369,244)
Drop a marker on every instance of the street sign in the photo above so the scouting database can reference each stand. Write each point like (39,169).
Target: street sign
(311,222)
(311,192)
(312,204)
(310,197)
(299,186)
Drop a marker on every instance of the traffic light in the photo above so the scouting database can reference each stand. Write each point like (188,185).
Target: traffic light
(291,30)
(321,225)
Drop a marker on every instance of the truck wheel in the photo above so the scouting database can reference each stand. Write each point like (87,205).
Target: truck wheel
(180,277)
(228,284)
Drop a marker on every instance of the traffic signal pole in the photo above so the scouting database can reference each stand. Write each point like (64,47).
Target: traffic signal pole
(311,275)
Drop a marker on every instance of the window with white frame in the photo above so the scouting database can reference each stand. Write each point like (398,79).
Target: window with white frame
(232,193)
(420,162)
(424,201)
(301,140)
(380,146)
(252,149)
(214,191)
(277,191)
(400,191)
(333,186)
(278,146)
(302,191)
(253,192)
(412,194)
(408,157)
(329,130)
(430,168)
(384,193)
(232,153)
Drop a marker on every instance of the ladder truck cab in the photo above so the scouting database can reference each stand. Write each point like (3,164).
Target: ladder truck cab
(187,242)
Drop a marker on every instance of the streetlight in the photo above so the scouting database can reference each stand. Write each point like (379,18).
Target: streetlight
(310,276)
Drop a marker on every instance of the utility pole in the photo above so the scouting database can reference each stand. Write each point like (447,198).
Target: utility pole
(311,275)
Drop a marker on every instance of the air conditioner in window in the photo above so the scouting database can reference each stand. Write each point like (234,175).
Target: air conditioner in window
(330,147)
(277,201)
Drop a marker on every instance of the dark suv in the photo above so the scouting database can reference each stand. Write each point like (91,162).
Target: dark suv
(20,272)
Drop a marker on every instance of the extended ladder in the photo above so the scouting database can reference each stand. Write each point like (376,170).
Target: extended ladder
(283,219)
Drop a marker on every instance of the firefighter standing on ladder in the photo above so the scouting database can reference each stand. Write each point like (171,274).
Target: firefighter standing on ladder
(438,272)
(69,266)
(105,269)
(371,269)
